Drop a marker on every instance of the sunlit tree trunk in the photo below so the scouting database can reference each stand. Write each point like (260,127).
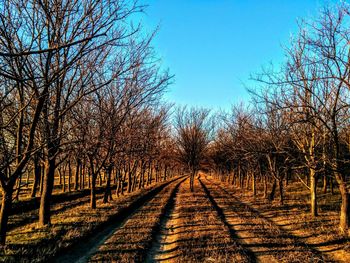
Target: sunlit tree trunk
(45,200)
(6,205)
(313,192)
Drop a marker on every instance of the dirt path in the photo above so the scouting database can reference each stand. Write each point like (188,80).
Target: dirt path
(133,241)
(225,219)
(82,252)
(193,232)
(267,240)
(210,224)
(164,245)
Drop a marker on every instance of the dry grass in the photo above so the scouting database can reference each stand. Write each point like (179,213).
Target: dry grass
(300,237)
(67,201)
(132,242)
(31,243)
(215,223)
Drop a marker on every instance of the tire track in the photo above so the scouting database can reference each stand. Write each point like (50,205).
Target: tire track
(194,233)
(269,242)
(250,254)
(133,241)
(82,252)
(161,246)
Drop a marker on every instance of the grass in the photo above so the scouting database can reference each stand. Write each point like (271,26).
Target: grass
(263,236)
(132,242)
(31,243)
(215,223)
(300,237)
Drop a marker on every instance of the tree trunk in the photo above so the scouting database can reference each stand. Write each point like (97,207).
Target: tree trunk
(149,174)
(118,175)
(83,177)
(6,205)
(331,184)
(344,209)
(42,174)
(313,193)
(254,184)
(280,187)
(165,172)
(233,177)
(271,196)
(287,178)
(36,179)
(325,184)
(140,184)
(129,182)
(69,176)
(45,200)
(100,178)
(93,177)
(93,192)
(77,170)
(192,180)
(134,181)
(89,181)
(62,173)
(108,193)
(122,184)
(60,177)
(157,173)
(143,176)
(247,181)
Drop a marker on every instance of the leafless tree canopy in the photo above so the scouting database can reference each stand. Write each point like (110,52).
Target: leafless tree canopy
(193,134)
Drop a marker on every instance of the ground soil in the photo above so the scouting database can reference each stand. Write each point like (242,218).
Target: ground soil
(217,222)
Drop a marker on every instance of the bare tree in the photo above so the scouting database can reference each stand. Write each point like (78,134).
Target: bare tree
(193,134)
(313,91)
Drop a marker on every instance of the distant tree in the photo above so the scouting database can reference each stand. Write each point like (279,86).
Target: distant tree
(194,129)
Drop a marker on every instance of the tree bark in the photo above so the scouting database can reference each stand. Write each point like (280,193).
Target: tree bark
(271,196)
(344,209)
(265,186)
(129,179)
(42,174)
(254,184)
(100,178)
(93,192)
(82,176)
(192,180)
(93,177)
(313,193)
(325,184)
(6,205)
(36,179)
(45,200)
(108,193)
(69,176)
(280,187)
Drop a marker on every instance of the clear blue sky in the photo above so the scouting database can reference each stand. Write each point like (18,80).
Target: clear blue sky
(212,46)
